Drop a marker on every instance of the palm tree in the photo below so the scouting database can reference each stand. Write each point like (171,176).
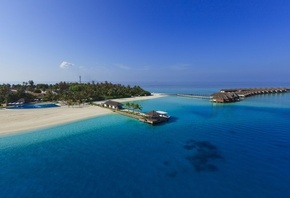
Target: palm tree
(138,107)
(31,83)
(128,105)
(4,93)
(133,106)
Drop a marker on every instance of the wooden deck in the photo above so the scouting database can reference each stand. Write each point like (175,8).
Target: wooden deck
(234,95)
(141,117)
(199,96)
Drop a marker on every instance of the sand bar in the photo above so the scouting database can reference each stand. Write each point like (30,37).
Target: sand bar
(132,99)
(17,120)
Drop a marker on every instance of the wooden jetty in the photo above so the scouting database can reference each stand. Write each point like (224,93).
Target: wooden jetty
(234,95)
(199,96)
(152,117)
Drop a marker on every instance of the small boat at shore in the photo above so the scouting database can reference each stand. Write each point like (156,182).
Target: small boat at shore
(163,114)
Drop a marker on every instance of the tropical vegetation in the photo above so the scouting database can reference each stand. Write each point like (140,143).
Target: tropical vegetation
(71,93)
(133,106)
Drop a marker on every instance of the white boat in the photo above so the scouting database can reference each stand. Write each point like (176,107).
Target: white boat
(163,114)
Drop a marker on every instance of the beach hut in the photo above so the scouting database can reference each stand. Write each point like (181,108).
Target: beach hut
(113,104)
(152,114)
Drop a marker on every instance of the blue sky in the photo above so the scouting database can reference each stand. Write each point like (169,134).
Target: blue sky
(144,40)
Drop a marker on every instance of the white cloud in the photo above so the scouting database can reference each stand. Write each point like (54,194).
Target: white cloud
(65,65)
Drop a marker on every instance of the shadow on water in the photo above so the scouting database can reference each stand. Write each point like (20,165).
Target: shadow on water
(202,157)
(173,119)
(204,154)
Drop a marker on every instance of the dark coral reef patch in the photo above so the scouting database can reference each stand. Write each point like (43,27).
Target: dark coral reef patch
(204,155)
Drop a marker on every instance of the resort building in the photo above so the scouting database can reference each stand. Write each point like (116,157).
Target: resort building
(155,117)
(223,97)
(234,95)
(113,105)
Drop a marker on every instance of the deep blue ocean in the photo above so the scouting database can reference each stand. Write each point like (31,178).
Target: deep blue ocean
(238,150)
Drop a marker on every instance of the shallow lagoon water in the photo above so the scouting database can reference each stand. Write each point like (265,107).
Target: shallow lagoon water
(34,106)
(206,150)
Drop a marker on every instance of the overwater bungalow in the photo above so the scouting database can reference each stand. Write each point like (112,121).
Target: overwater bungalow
(233,95)
(155,117)
(224,97)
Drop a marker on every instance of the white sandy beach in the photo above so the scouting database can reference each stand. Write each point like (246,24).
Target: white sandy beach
(132,99)
(17,120)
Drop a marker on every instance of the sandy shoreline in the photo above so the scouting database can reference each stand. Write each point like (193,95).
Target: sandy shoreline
(18,120)
(132,99)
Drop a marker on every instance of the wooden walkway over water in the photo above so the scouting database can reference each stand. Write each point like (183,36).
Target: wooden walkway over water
(235,94)
(199,96)
(142,116)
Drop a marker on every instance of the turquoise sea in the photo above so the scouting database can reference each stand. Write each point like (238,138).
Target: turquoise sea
(205,151)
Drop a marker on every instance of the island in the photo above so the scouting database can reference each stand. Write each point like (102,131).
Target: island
(66,93)
(152,117)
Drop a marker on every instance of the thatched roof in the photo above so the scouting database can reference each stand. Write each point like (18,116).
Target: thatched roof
(113,103)
(153,114)
(225,97)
